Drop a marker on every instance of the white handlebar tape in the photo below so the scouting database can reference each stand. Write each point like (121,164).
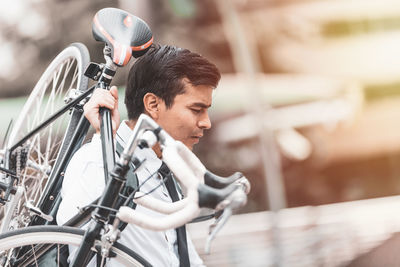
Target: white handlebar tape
(158,205)
(184,211)
(180,168)
(190,159)
(174,220)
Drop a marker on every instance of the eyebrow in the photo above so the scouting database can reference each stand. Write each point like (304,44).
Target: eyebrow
(199,104)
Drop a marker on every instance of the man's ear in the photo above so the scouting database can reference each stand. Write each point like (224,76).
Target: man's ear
(152,105)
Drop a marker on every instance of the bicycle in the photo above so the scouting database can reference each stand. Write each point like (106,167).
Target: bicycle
(203,189)
(27,246)
(35,157)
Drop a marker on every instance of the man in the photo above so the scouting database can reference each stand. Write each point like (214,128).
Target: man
(174,87)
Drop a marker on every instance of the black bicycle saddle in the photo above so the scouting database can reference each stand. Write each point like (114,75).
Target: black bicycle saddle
(126,34)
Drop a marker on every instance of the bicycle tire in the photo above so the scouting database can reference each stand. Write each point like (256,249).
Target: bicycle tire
(64,73)
(33,238)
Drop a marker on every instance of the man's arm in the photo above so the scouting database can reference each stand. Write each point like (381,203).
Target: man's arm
(102,98)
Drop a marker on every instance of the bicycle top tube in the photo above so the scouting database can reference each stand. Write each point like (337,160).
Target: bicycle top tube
(52,118)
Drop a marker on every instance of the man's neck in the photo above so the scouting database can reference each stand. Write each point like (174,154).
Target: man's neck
(131,124)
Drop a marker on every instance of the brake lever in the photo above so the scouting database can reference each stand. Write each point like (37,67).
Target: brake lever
(216,226)
(236,200)
(244,182)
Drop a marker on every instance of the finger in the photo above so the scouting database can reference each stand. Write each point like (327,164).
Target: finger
(114,127)
(115,118)
(104,100)
(108,99)
(100,98)
(93,117)
(108,103)
(114,92)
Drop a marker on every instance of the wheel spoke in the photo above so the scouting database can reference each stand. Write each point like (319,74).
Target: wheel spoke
(34,255)
(68,65)
(64,72)
(75,76)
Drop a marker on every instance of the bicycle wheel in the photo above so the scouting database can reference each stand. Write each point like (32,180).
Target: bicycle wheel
(30,247)
(38,155)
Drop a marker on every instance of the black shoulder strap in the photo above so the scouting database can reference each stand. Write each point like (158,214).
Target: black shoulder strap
(180,231)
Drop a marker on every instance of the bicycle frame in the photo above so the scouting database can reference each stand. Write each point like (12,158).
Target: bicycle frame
(189,171)
(52,197)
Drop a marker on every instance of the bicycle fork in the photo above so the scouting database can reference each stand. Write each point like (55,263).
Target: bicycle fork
(100,215)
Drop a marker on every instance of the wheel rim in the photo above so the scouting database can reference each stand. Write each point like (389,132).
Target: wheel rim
(33,240)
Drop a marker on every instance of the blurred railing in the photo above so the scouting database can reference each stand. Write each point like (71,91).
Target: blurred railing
(328,235)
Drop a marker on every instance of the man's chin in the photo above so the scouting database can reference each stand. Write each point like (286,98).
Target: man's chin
(189,145)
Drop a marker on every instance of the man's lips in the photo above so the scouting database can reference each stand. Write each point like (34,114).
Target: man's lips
(196,138)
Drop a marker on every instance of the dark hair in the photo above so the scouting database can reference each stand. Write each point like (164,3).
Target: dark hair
(161,71)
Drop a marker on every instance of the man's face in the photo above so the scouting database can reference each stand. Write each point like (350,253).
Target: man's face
(187,118)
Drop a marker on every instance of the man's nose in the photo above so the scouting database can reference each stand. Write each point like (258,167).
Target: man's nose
(204,122)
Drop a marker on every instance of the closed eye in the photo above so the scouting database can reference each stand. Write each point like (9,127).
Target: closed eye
(196,111)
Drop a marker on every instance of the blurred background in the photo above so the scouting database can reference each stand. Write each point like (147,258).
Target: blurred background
(307,108)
